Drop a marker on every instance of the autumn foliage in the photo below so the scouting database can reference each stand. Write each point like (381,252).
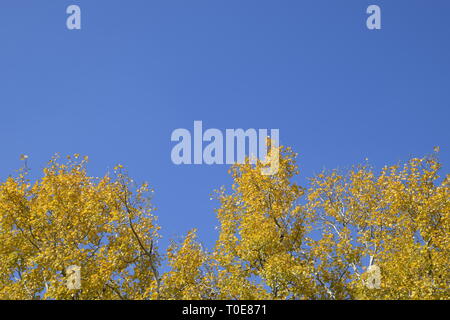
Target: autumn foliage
(361,234)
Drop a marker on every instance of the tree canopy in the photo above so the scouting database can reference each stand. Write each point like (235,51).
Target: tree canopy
(359,234)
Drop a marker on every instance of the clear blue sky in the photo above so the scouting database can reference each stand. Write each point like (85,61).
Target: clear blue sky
(139,69)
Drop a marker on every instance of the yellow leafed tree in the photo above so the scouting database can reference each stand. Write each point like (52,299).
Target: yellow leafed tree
(353,235)
(67,218)
(191,276)
(357,235)
(259,253)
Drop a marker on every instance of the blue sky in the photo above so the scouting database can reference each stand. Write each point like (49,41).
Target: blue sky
(139,69)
